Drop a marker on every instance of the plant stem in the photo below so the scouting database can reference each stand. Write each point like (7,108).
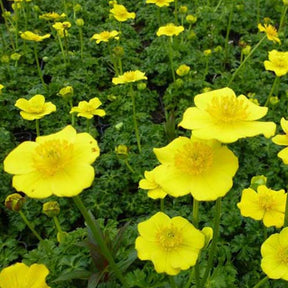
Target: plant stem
(72,114)
(275,83)
(172,282)
(99,239)
(38,67)
(258,11)
(134,118)
(218,5)
(195,215)
(282,19)
(162,204)
(228,30)
(57,224)
(30,226)
(81,42)
(214,241)
(129,167)
(245,60)
(170,54)
(262,281)
(62,49)
(37,127)
(176,11)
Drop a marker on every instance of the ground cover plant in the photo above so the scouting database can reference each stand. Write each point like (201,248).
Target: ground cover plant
(143,143)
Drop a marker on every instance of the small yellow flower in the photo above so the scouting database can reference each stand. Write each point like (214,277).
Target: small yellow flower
(274,253)
(35,108)
(20,275)
(278,62)
(62,28)
(1,87)
(52,16)
(105,36)
(265,204)
(159,3)
(155,191)
(182,70)
(121,14)
(172,244)
(57,164)
(89,109)
(271,32)
(79,22)
(30,36)
(170,30)
(282,140)
(129,77)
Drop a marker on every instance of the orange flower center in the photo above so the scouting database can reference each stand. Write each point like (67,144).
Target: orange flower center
(169,238)
(194,158)
(52,156)
(228,109)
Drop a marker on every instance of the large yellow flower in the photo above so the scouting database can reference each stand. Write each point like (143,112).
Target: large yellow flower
(62,28)
(171,244)
(278,62)
(57,164)
(105,36)
(30,36)
(89,109)
(170,30)
(271,32)
(265,204)
(52,16)
(202,168)
(282,140)
(129,77)
(121,14)
(220,115)
(34,108)
(274,253)
(160,3)
(20,275)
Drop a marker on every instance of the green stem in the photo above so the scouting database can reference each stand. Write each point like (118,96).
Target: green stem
(258,11)
(57,224)
(30,226)
(245,60)
(38,67)
(62,49)
(129,167)
(99,239)
(116,71)
(172,282)
(88,122)
(120,65)
(218,5)
(176,11)
(162,204)
(286,214)
(214,241)
(206,67)
(262,281)
(37,127)
(81,42)
(66,45)
(195,213)
(282,19)
(275,83)
(170,54)
(134,119)
(228,30)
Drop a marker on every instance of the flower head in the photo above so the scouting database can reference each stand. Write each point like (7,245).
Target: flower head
(129,77)
(220,115)
(271,32)
(89,109)
(203,168)
(34,108)
(52,16)
(62,28)
(182,70)
(1,87)
(30,36)
(265,204)
(282,140)
(121,14)
(170,30)
(20,275)
(171,244)
(155,191)
(278,62)
(14,202)
(57,164)
(160,3)
(274,253)
(105,36)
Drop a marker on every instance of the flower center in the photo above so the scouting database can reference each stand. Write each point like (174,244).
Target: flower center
(266,201)
(105,35)
(169,238)
(130,76)
(228,109)
(194,158)
(271,31)
(52,156)
(35,108)
(283,255)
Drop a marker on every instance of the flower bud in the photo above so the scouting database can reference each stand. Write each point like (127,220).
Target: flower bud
(207,52)
(66,92)
(14,202)
(274,100)
(179,83)
(182,70)
(80,22)
(246,50)
(257,181)
(118,126)
(15,56)
(111,97)
(122,151)
(51,208)
(141,86)
(183,9)
(208,233)
(77,8)
(118,51)
(5,59)
(191,35)
(218,49)
(191,19)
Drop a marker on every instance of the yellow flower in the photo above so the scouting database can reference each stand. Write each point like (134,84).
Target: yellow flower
(35,108)
(121,14)
(182,70)
(271,32)
(265,204)
(105,36)
(203,168)
(170,30)
(282,140)
(171,244)
(20,275)
(57,164)
(1,87)
(61,28)
(129,77)
(52,16)
(30,36)
(285,2)
(278,62)
(89,109)
(274,253)
(220,115)
(160,3)
(155,191)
